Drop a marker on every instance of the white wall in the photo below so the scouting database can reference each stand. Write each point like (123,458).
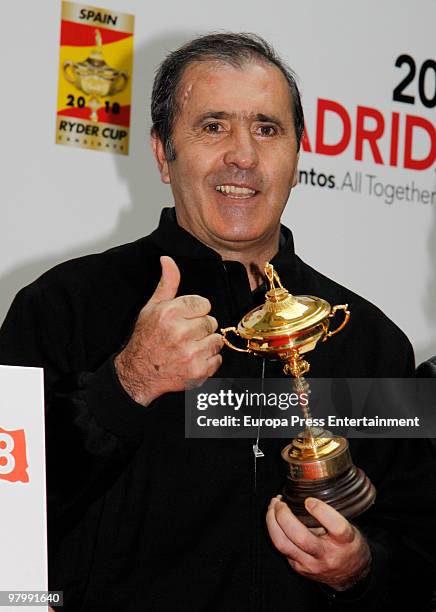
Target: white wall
(59,202)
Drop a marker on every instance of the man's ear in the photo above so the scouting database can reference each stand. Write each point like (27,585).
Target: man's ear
(295,177)
(160,157)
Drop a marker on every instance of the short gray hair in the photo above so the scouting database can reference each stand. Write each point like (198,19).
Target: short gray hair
(229,47)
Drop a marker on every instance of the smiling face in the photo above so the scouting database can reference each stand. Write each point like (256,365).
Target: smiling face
(236,153)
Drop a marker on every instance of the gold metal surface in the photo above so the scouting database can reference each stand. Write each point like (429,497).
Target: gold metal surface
(286,326)
(343,307)
(283,314)
(224,331)
(319,464)
(301,448)
(333,459)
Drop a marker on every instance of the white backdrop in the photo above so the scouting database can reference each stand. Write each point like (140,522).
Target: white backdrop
(59,202)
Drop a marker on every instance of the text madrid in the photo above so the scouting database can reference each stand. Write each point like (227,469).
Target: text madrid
(384,133)
(294,421)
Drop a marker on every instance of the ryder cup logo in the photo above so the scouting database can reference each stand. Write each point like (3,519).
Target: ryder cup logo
(13,458)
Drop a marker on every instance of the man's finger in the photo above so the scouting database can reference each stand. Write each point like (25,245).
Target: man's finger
(193,306)
(208,347)
(282,542)
(169,281)
(187,307)
(337,525)
(294,529)
(318,531)
(201,327)
(213,363)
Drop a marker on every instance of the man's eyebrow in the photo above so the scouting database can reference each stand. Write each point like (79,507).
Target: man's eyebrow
(269,119)
(223,115)
(214,115)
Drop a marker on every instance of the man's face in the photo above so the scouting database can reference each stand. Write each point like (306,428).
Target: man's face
(236,153)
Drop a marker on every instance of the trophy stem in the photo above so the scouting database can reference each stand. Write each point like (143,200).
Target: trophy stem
(319,464)
(296,366)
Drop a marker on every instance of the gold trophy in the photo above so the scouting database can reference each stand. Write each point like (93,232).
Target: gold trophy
(94,77)
(318,464)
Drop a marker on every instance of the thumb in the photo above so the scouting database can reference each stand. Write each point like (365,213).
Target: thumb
(169,281)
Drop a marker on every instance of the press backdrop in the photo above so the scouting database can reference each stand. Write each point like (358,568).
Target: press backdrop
(364,212)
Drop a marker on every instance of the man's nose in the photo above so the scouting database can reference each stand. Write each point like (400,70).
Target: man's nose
(242,150)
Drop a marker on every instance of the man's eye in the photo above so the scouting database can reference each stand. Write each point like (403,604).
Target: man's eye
(267,130)
(213,128)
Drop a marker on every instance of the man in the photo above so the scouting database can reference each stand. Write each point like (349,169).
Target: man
(141,518)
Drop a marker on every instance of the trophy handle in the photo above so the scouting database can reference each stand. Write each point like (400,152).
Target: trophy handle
(343,307)
(120,83)
(224,331)
(69,65)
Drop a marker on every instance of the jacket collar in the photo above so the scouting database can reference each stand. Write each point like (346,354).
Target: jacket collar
(174,240)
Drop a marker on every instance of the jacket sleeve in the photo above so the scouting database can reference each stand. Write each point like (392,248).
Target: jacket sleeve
(92,426)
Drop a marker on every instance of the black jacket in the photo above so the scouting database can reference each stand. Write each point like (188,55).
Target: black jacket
(141,518)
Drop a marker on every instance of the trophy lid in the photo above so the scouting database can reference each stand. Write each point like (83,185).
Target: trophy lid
(282,313)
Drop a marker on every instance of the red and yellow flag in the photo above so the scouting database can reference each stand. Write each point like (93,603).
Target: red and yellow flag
(95,78)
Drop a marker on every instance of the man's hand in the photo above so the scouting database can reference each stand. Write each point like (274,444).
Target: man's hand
(173,345)
(336,554)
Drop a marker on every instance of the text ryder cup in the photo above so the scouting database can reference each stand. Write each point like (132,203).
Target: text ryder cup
(76,127)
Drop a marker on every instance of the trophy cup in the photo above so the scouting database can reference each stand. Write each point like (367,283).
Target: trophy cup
(318,464)
(94,77)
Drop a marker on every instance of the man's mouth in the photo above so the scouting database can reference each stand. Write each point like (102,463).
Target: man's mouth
(236,191)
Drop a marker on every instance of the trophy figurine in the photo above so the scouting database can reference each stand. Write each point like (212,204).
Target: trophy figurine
(319,464)
(94,77)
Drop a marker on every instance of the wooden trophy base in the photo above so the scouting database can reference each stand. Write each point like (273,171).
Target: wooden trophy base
(332,478)
(350,494)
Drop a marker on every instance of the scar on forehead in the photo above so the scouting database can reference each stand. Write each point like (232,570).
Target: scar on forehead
(186,95)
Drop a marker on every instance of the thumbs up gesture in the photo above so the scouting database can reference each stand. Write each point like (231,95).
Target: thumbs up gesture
(173,345)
